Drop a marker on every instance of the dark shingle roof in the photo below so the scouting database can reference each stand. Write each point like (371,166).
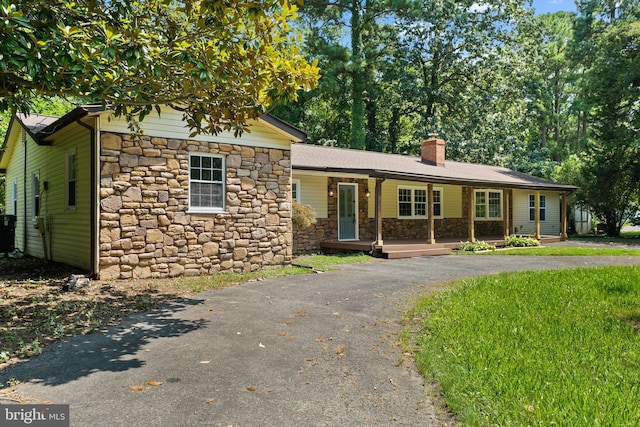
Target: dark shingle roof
(41,127)
(36,122)
(382,165)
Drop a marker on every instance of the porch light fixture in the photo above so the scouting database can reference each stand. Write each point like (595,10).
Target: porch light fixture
(330,191)
(367,193)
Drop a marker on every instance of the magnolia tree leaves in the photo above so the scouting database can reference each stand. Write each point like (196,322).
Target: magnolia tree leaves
(219,62)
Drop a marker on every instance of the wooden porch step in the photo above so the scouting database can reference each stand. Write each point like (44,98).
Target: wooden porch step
(409,247)
(410,253)
(553,239)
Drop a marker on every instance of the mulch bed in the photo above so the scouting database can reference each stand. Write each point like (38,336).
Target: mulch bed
(37,309)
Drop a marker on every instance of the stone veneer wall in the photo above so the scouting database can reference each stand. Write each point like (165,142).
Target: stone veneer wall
(146,231)
(307,241)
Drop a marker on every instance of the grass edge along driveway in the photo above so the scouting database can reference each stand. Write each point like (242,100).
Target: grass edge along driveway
(557,347)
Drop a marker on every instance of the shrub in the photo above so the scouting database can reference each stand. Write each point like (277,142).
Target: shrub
(476,246)
(303,215)
(521,241)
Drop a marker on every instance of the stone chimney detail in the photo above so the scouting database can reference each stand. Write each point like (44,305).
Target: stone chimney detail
(432,151)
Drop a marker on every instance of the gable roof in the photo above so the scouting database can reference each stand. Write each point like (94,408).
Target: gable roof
(395,166)
(34,123)
(41,126)
(281,126)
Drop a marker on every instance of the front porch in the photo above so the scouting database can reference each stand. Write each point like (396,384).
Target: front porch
(440,228)
(409,248)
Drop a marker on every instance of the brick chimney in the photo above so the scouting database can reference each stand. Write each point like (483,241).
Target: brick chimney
(432,151)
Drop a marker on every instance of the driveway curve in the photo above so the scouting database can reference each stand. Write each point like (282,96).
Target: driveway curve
(310,350)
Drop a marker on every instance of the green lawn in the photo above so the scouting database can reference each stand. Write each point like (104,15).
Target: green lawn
(328,262)
(565,251)
(537,348)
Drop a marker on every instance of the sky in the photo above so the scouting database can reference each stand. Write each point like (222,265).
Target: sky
(551,6)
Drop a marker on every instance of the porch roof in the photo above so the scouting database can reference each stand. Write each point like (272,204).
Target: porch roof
(395,166)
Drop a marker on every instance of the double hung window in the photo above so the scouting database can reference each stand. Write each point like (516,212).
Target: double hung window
(412,202)
(206,183)
(14,197)
(488,204)
(532,207)
(71,176)
(35,195)
(295,190)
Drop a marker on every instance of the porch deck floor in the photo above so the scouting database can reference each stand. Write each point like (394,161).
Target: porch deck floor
(407,248)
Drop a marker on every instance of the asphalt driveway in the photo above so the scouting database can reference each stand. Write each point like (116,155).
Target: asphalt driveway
(312,350)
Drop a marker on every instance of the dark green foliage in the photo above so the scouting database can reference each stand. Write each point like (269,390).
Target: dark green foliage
(478,246)
(608,47)
(521,241)
(303,216)
(220,63)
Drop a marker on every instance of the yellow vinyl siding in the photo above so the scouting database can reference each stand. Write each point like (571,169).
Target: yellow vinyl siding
(171,126)
(313,192)
(390,197)
(15,166)
(70,228)
(36,164)
(67,232)
(520,206)
(451,198)
(451,201)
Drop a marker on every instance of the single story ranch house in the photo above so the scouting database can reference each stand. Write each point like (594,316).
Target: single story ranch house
(163,204)
(411,206)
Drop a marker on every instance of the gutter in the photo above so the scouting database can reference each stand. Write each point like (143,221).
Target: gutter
(376,173)
(474,182)
(275,123)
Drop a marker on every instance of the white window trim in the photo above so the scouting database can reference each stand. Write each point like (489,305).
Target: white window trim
(35,194)
(413,201)
(14,197)
(541,207)
(295,182)
(67,180)
(441,216)
(426,189)
(486,191)
(216,209)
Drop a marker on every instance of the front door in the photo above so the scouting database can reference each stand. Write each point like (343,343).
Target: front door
(347,212)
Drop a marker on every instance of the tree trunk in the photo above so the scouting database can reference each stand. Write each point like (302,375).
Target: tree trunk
(394,125)
(371,137)
(357,80)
